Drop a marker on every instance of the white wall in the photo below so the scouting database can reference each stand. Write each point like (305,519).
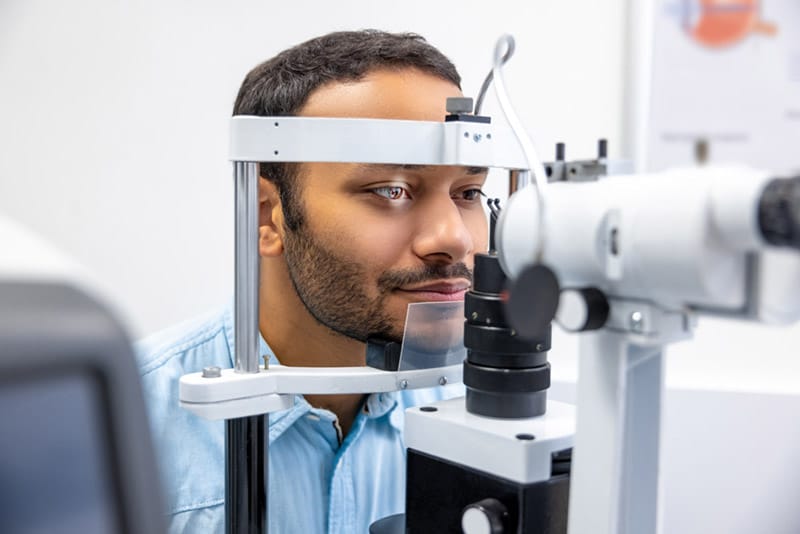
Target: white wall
(113,134)
(113,116)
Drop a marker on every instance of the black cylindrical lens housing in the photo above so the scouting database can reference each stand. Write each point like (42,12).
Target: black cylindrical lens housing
(506,376)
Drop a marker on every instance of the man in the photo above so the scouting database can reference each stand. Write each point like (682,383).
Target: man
(344,249)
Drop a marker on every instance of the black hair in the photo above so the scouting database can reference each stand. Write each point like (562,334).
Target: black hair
(281,86)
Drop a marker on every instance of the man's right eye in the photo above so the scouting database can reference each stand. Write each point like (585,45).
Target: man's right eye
(392,192)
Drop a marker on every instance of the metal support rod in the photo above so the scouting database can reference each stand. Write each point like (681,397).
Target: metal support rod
(246,443)
(246,266)
(614,487)
(246,475)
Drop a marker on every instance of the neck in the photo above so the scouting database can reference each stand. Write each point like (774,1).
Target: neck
(297,339)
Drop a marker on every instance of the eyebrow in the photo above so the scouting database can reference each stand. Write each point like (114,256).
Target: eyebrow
(408,167)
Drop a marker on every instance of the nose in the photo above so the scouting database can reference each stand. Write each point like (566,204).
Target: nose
(442,233)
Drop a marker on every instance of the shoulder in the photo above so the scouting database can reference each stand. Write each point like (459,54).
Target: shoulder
(204,340)
(190,449)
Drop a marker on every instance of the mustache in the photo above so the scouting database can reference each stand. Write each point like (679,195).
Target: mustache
(393,279)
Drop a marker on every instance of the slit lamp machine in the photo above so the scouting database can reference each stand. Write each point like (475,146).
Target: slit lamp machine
(625,261)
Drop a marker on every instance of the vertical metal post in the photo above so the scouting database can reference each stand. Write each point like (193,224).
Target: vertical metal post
(614,486)
(246,443)
(246,267)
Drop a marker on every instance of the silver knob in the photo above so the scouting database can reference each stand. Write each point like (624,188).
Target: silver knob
(484,517)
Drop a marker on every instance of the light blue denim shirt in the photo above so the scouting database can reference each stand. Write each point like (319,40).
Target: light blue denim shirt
(316,483)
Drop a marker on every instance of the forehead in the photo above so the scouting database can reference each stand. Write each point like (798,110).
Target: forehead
(407,94)
(402,94)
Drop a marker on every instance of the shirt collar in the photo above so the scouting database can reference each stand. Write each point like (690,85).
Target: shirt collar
(379,404)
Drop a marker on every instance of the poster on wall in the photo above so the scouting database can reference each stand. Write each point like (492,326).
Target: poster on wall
(725,84)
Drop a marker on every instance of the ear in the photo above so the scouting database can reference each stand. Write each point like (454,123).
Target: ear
(270,219)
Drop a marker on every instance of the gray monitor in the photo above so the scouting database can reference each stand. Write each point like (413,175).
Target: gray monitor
(75,448)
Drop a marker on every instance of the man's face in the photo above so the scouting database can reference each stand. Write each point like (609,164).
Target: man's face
(375,238)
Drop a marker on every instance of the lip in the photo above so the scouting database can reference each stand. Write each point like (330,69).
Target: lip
(445,290)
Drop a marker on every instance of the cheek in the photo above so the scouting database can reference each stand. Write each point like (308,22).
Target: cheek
(376,246)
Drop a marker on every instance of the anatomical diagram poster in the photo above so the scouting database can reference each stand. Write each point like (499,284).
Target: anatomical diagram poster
(725,84)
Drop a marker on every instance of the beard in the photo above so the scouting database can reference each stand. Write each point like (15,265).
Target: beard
(334,288)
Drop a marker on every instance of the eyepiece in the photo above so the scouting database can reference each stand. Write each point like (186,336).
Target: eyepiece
(779,212)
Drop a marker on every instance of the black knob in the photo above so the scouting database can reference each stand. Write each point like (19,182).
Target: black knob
(560,151)
(532,301)
(602,149)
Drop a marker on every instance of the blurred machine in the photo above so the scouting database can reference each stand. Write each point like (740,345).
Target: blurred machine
(75,449)
(625,261)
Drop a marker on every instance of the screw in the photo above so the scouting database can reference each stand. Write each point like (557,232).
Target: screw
(212,372)
(488,136)
(474,315)
(466,134)
(403,384)
(442,380)
(477,138)
(539,347)
(637,321)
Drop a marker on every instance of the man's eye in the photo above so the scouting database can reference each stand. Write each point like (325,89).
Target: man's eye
(471,194)
(392,192)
